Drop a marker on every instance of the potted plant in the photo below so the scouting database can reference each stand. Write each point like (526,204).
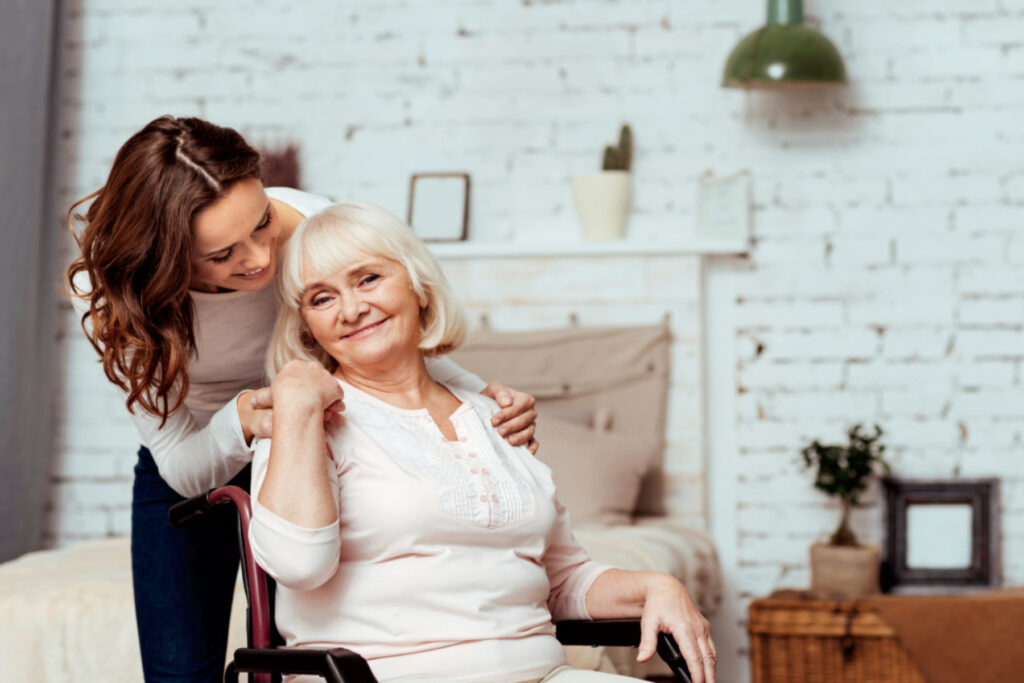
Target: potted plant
(844,568)
(603,199)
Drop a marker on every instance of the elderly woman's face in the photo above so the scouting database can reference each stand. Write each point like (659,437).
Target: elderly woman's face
(365,314)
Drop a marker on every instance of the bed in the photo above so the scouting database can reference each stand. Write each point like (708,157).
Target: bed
(68,613)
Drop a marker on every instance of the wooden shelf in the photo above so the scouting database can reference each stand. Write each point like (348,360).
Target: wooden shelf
(624,247)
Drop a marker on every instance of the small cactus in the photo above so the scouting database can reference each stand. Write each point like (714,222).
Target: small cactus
(619,158)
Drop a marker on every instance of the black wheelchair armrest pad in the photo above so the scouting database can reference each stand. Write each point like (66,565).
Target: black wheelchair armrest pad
(336,665)
(620,632)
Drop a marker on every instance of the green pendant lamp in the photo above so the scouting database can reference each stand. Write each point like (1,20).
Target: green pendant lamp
(784,53)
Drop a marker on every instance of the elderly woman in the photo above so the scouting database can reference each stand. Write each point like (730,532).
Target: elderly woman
(409,530)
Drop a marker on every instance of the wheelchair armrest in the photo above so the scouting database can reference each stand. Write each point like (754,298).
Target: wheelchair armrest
(335,665)
(621,632)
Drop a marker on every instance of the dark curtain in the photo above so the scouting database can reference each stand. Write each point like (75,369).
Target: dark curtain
(28,249)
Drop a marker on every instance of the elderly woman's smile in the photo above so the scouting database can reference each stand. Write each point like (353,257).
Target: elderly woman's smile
(363,332)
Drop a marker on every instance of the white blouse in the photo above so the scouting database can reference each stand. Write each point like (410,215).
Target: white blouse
(450,558)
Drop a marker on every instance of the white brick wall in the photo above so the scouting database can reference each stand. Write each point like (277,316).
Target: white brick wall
(886,284)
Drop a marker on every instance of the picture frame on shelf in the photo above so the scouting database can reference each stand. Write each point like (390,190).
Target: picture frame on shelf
(439,206)
(724,206)
(941,533)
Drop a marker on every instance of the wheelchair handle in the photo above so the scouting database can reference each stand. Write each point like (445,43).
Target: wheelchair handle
(184,512)
(254,579)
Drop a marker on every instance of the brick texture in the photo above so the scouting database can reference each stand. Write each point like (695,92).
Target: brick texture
(887,280)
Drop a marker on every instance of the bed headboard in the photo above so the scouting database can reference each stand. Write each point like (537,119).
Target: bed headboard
(613,378)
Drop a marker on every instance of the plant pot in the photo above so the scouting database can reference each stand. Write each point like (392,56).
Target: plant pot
(602,203)
(844,572)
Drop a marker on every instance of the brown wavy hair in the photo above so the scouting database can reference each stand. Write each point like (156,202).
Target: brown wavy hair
(136,253)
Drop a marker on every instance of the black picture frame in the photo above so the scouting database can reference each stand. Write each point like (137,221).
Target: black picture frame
(982,498)
(452,212)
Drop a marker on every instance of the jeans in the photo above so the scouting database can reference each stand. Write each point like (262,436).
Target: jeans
(184,579)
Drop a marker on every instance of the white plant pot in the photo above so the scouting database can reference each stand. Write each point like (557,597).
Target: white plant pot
(602,203)
(844,572)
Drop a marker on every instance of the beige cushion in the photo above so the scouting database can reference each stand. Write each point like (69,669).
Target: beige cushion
(617,376)
(598,474)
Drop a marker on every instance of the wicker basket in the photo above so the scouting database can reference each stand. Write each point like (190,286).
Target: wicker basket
(823,641)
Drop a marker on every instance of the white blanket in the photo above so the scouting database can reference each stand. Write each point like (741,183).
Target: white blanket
(68,616)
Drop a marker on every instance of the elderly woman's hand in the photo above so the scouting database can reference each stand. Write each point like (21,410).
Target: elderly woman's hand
(668,608)
(296,487)
(516,421)
(664,606)
(306,387)
(309,385)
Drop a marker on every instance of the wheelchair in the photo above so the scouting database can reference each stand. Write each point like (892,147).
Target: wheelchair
(266,658)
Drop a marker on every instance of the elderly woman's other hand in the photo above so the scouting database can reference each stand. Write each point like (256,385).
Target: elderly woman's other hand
(304,387)
(517,419)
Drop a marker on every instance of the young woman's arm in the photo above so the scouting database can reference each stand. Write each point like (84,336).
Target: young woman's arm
(194,459)
(517,417)
(443,369)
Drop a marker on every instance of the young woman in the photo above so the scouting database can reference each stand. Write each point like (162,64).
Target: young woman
(177,255)
(410,532)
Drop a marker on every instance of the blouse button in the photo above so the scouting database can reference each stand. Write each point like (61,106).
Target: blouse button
(483,498)
(472,455)
(494,498)
(484,472)
(474,470)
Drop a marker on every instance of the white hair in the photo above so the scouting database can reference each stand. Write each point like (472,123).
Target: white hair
(334,239)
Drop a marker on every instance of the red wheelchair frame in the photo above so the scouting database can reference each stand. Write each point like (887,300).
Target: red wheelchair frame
(267,658)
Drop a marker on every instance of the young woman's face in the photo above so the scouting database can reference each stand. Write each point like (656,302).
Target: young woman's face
(234,241)
(364,315)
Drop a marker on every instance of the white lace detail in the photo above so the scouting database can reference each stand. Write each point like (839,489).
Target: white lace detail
(475,478)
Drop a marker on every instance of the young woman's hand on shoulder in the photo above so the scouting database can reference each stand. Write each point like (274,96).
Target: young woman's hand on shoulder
(516,421)
(255,413)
